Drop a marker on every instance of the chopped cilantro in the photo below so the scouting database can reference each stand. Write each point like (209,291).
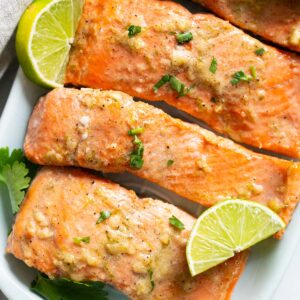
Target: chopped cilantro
(134,30)
(260,52)
(240,76)
(253,72)
(136,131)
(214,100)
(213,65)
(105,214)
(136,156)
(184,37)
(161,82)
(175,84)
(150,272)
(176,223)
(170,162)
(14,174)
(79,240)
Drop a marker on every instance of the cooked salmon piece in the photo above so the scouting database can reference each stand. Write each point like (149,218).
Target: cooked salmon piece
(274,20)
(91,129)
(217,76)
(134,248)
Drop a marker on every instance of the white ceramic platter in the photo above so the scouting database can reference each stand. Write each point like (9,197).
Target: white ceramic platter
(268,261)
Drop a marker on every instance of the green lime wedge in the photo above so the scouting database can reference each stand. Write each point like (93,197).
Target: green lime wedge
(44,37)
(228,227)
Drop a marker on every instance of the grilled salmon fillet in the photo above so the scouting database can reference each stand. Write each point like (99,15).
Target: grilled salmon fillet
(216,77)
(90,128)
(274,20)
(62,206)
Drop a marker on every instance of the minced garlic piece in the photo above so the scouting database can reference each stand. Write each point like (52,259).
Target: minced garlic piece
(203,165)
(295,37)
(276,205)
(123,247)
(255,188)
(45,233)
(40,218)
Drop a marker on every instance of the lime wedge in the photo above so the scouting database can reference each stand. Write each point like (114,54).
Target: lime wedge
(228,227)
(44,38)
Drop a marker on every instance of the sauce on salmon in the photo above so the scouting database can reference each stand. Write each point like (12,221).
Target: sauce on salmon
(274,20)
(135,249)
(143,48)
(109,132)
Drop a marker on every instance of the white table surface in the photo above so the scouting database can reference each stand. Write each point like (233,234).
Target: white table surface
(289,287)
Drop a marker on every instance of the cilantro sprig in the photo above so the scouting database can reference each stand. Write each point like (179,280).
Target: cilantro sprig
(240,76)
(14,174)
(65,289)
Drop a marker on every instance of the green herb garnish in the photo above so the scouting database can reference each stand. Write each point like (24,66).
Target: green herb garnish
(105,214)
(253,72)
(213,66)
(161,82)
(79,240)
(150,272)
(65,289)
(240,76)
(175,84)
(176,223)
(134,30)
(260,52)
(136,131)
(184,37)
(14,174)
(136,156)
(170,162)
(214,100)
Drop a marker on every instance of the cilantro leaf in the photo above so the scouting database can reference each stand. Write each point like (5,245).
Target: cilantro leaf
(184,37)
(79,240)
(170,162)
(240,76)
(176,223)
(65,289)
(150,272)
(213,66)
(260,52)
(136,131)
(161,82)
(136,156)
(105,214)
(14,174)
(134,30)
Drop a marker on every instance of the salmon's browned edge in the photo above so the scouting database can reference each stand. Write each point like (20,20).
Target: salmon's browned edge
(274,20)
(135,249)
(252,98)
(89,128)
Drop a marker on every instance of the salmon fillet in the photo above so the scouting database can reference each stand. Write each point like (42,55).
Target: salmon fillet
(274,20)
(89,128)
(63,205)
(253,99)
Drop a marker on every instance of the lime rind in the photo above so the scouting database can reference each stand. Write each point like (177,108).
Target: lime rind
(44,37)
(229,227)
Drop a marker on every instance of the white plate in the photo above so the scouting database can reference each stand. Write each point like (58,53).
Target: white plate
(268,260)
